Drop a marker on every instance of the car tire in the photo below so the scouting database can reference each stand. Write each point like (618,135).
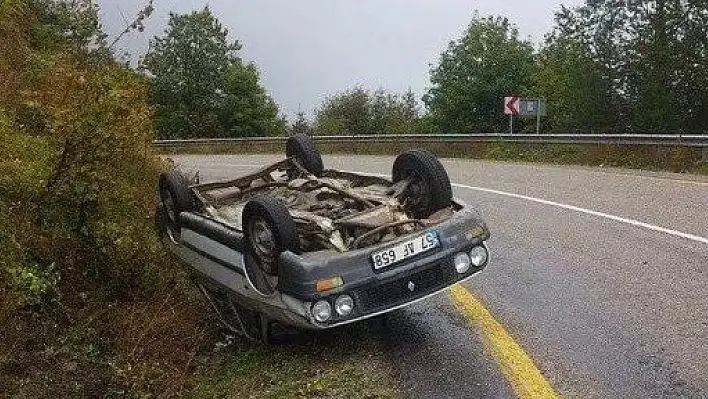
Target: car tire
(269,230)
(303,149)
(175,197)
(429,190)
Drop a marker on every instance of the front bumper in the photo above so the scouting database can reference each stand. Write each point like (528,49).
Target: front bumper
(398,301)
(377,292)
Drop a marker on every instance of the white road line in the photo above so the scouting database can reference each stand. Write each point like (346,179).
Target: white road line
(668,179)
(590,212)
(591,171)
(573,208)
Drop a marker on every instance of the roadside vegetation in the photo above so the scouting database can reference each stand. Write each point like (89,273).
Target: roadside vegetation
(359,112)
(90,304)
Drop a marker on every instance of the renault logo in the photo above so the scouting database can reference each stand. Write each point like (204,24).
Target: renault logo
(411,286)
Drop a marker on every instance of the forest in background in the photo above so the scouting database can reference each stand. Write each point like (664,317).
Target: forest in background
(607,67)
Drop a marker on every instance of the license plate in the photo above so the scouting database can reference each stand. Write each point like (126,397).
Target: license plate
(405,250)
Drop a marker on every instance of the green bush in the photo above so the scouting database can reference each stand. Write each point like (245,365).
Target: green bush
(22,281)
(99,186)
(24,163)
(80,265)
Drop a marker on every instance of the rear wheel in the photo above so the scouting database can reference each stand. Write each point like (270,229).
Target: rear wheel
(302,148)
(429,189)
(269,230)
(176,197)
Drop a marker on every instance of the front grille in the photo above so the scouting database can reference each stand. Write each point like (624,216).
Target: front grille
(397,291)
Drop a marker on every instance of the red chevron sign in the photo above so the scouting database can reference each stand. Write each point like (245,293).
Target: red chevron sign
(511,105)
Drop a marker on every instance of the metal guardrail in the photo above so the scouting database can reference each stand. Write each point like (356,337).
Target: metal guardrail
(613,139)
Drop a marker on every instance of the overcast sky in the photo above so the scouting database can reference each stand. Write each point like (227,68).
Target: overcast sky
(308,49)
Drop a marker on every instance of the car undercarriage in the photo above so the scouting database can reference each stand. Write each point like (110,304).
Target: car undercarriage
(336,211)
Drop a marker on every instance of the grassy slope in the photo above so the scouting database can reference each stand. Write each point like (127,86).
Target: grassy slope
(342,363)
(74,335)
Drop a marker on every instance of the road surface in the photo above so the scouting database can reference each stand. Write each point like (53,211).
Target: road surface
(600,276)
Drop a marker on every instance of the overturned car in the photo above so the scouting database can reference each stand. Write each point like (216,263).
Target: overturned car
(297,245)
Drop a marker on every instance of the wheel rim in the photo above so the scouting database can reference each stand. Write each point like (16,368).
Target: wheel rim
(418,193)
(263,241)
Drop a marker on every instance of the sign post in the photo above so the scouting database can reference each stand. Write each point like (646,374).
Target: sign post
(526,108)
(511,125)
(511,108)
(538,118)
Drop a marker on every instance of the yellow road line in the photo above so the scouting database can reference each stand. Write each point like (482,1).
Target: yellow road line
(521,371)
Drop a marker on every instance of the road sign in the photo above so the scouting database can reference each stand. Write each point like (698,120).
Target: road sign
(511,106)
(532,107)
(524,107)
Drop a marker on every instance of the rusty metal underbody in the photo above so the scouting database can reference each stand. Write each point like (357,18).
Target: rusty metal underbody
(339,210)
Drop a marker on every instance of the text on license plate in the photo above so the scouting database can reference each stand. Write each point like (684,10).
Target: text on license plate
(405,250)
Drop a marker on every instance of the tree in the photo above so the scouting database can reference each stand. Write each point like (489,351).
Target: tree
(247,110)
(301,125)
(346,113)
(475,73)
(68,25)
(201,88)
(566,76)
(653,55)
(358,112)
(393,113)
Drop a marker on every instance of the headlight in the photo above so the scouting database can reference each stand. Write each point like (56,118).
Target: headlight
(462,263)
(344,305)
(322,311)
(478,256)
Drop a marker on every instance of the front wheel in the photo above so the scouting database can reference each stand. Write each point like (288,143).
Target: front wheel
(269,230)
(429,189)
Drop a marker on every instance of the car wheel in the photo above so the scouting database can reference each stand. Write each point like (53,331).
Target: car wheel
(302,148)
(176,197)
(269,230)
(429,189)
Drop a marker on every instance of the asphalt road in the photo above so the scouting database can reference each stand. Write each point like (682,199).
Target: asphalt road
(600,275)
